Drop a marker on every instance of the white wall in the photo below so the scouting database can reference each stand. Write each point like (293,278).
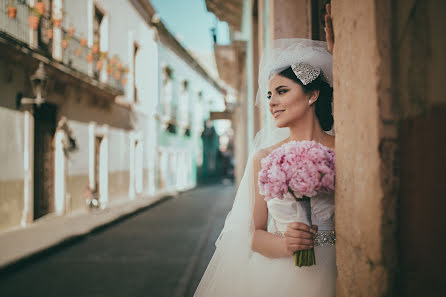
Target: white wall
(78,160)
(213,99)
(125,27)
(119,155)
(11,144)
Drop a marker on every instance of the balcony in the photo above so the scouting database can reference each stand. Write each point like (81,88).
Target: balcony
(75,55)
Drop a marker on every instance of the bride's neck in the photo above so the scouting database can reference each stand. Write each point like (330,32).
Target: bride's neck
(307,129)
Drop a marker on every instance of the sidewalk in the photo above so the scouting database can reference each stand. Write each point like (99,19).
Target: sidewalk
(23,243)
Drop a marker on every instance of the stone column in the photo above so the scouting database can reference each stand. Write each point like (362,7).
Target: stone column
(390,110)
(290,19)
(365,150)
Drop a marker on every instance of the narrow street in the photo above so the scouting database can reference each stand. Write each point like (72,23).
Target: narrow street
(162,251)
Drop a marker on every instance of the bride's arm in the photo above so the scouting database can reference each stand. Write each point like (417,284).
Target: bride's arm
(297,237)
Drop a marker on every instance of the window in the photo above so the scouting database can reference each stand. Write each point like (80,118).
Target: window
(97,23)
(135,89)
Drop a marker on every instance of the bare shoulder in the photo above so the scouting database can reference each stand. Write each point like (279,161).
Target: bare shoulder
(259,155)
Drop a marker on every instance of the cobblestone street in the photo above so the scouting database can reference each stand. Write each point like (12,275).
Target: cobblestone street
(162,251)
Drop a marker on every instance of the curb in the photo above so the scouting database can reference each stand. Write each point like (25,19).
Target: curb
(69,239)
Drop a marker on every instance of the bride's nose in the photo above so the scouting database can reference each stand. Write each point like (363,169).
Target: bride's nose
(273,101)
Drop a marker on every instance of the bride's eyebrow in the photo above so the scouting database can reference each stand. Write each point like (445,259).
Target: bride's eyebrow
(269,92)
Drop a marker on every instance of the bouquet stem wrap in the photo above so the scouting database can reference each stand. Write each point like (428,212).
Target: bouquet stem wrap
(305,257)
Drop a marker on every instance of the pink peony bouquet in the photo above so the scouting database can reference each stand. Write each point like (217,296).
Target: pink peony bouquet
(304,169)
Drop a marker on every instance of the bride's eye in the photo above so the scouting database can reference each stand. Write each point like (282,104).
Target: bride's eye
(282,92)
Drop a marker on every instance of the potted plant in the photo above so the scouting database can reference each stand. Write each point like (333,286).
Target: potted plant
(49,33)
(12,9)
(40,7)
(117,74)
(65,42)
(99,65)
(78,52)
(95,47)
(33,19)
(71,30)
(90,57)
(83,40)
(113,60)
(109,69)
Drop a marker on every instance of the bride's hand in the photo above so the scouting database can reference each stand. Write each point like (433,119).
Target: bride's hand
(299,236)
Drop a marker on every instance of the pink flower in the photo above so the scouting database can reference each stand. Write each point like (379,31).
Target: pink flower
(304,167)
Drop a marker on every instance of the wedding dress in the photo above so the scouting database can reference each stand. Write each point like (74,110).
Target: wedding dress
(280,277)
(235,270)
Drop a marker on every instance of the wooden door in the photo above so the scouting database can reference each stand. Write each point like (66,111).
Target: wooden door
(44,129)
(97,162)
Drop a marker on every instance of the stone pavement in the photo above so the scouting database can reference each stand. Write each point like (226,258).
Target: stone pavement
(161,251)
(21,243)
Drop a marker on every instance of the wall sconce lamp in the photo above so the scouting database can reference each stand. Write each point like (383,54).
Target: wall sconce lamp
(39,83)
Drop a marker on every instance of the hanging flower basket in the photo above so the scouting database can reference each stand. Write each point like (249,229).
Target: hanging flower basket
(95,48)
(90,57)
(99,65)
(40,7)
(65,43)
(117,75)
(33,21)
(57,23)
(70,31)
(12,12)
(78,52)
(113,60)
(83,42)
(49,33)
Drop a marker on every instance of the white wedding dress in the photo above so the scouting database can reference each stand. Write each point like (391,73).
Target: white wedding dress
(280,277)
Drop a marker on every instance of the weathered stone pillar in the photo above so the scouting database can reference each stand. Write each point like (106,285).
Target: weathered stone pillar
(290,19)
(389,105)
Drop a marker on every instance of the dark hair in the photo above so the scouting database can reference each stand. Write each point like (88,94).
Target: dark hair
(323,103)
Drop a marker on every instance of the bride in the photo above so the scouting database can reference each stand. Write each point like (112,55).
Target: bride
(254,254)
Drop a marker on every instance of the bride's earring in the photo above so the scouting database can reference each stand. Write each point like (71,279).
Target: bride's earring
(309,102)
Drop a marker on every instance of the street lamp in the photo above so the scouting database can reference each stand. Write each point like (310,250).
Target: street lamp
(39,82)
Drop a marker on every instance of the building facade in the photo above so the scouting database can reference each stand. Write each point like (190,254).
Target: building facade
(99,103)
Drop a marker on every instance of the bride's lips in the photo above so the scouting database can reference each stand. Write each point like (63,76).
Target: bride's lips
(278,112)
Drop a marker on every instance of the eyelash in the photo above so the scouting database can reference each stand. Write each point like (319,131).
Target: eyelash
(280,93)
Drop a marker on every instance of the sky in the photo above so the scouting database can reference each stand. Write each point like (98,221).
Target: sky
(191,23)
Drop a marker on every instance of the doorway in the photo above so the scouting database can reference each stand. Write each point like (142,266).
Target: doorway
(44,129)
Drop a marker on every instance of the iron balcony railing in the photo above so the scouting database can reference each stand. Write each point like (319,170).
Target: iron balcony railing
(16,27)
(76,55)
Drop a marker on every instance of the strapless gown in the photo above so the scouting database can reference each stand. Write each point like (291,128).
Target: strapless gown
(279,277)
